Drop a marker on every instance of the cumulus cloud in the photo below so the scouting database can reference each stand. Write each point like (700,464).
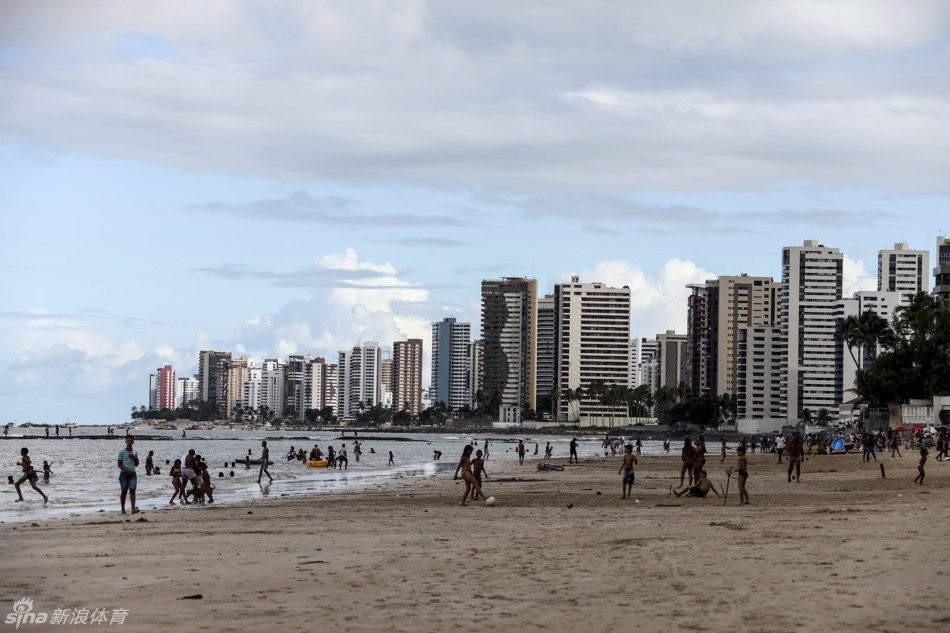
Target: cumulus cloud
(856,277)
(658,301)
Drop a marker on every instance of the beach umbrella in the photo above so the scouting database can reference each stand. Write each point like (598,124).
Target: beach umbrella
(918,427)
(901,428)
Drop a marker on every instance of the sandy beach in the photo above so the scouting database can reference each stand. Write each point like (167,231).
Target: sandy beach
(843,550)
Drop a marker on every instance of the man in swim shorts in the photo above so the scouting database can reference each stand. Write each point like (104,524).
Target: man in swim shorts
(265,452)
(629,459)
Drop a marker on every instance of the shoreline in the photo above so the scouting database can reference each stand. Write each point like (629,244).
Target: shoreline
(843,550)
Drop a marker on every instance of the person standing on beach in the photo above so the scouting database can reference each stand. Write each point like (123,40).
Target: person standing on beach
(687,455)
(29,474)
(573,456)
(547,451)
(127,462)
(521,452)
(795,456)
(868,442)
(742,467)
(149,464)
(178,486)
(265,452)
(780,446)
(341,460)
(722,459)
(629,459)
(478,468)
(391,462)
(919,479)
(357,451)
(465,465)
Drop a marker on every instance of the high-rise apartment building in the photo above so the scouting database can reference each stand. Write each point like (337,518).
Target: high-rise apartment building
(478,392)
(166,387)
(591,342)
(305,384)
(811,284)
(359,384)
(759,374)
(883,304)
(717,310)
(509,343)
(271,393)
(211,374)
(545,372)
(235,375)
(407,376)
(642,353)
(153,392)
(451,378)
(670,360)
(903,270)
(187,389)
(941,292)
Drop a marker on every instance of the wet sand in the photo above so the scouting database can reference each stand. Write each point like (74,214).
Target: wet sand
(843,550)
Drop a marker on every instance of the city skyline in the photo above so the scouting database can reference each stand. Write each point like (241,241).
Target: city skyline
(301,179)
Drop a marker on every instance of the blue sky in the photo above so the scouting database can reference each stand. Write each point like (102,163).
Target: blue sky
(294,177)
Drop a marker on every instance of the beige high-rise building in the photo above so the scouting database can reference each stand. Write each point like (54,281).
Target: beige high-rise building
(235,375)
(717,310)
(592,345)
(407,376)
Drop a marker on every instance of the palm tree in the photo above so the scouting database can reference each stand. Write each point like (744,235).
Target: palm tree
(823,418)
(806,416)
(555,397)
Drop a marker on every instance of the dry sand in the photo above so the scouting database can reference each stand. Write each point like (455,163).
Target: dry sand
(844,550)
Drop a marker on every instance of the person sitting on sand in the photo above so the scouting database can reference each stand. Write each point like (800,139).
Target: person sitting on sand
(465,465)
(700,488)
(29,474)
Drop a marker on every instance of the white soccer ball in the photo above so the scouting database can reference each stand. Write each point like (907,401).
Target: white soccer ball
(490,501)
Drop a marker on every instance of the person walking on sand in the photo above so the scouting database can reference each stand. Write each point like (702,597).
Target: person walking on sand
(919,479)
(29,474)
(780,447)
(742,470)
(127,461)
(177,484)
(573,456)
(265,452)
(521,451)
(629,459)
(391,462)
(795,456)
(722,459)
(465,465)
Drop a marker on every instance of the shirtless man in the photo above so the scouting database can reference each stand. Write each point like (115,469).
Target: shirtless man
(29,474)
(700,488)
(521,452)
(742,466)
(265,452)
(795,456)
(629,459)
(572,458)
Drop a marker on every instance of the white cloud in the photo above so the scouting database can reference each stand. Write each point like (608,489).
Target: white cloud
(856,277)
(658,302)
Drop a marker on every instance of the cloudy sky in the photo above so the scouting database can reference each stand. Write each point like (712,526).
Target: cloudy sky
(295,177)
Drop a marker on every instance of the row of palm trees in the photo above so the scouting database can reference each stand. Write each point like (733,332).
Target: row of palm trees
(633,402)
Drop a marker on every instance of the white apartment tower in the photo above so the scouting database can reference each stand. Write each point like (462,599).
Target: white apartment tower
(811,284)
(903,270)
(358,380)
(591,342)
(451,377)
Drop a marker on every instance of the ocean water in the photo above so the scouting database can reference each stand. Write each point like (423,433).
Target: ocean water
(85,473)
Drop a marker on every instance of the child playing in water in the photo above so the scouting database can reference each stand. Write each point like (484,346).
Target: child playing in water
(47,471)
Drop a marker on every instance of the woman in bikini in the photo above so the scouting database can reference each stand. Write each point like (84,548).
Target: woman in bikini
(743,474)
(177,483)
(687,462)
(465,465)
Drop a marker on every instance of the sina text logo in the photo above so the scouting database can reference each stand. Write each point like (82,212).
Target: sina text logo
(23,614)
